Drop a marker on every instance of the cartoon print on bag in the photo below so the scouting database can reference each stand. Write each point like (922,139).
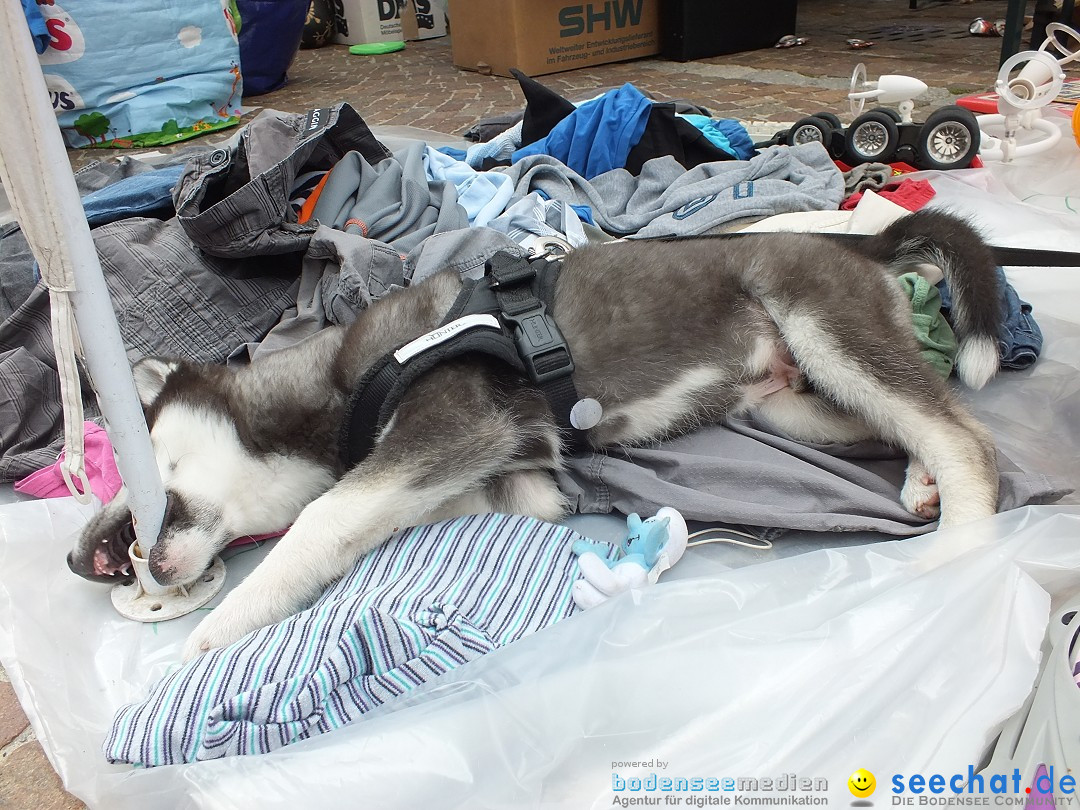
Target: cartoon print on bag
(66,41)
(223,110)
(92,126)
(64,97)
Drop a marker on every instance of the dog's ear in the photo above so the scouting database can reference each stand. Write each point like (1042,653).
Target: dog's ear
(150,375)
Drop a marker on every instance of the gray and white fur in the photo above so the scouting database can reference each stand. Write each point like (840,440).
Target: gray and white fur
(813,336)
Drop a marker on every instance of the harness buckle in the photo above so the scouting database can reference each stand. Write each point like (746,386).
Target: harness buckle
(547,247)
(539,342)
(541,345)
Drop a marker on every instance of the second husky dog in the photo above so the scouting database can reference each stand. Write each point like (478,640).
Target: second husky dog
(812,336)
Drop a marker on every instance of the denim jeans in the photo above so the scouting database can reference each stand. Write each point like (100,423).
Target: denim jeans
(146,194)
(1020,339)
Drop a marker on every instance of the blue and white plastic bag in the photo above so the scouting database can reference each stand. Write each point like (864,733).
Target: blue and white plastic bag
(126,77)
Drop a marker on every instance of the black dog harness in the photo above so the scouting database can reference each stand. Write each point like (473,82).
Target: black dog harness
(503,315)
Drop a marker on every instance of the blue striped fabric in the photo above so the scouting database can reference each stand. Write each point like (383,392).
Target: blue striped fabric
(425,602)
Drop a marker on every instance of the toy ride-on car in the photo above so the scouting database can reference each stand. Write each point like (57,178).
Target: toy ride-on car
(948,139)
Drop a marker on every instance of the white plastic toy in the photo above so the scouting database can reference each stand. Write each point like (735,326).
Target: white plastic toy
(651,547)
(1022,97)
(888,89)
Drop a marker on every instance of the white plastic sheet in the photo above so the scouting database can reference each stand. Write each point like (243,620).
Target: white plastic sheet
(898,657)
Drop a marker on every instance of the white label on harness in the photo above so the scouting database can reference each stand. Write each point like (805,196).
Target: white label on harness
(443,334)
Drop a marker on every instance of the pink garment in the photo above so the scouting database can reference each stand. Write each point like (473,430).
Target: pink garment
(102,474)
(101,471)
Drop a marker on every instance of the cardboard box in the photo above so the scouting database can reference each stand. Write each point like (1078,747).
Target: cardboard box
(547,36)
(359,22)
(698,29)
(424,19)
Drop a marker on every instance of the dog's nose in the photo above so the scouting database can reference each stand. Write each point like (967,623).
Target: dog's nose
(154,561)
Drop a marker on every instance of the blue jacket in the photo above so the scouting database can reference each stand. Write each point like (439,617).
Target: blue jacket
(598,135)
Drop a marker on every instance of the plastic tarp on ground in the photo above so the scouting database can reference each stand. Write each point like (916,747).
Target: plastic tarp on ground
(819,657)
(902,656)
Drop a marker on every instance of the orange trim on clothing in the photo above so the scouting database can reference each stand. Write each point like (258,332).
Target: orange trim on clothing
(359,223)
(308,208)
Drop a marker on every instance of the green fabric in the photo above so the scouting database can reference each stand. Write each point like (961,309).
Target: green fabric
(933,331)
(233,11)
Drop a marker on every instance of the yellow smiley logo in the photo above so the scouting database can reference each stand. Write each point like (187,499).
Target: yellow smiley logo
(861,783)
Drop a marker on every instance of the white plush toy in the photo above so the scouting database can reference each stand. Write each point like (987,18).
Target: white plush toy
(651,547)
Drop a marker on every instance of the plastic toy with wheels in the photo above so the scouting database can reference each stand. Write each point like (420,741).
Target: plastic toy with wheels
(948,139)
(1022,96)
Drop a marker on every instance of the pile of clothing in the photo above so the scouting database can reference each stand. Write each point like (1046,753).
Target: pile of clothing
(231,253)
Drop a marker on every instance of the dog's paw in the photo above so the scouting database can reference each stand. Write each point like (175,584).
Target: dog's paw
(228,622)
(920,496)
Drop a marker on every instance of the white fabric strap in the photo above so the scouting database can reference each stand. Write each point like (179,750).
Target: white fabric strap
(65,340)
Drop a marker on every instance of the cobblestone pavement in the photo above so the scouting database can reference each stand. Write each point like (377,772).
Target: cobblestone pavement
(420,87)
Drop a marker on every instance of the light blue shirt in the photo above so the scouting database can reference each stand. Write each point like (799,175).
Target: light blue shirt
(483,195)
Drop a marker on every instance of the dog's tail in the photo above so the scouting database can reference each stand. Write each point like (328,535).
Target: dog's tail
(951,244)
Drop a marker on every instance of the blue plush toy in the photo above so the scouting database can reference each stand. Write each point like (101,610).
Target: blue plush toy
(650,547)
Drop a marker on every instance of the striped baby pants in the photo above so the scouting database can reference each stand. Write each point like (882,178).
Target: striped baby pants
(423,603)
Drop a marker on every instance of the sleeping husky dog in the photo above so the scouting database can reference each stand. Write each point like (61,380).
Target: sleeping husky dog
(812,336)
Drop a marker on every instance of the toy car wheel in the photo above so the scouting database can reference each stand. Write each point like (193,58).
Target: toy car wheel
(889,111)
(809,129)
(872,138)
(949,139)
(829,118)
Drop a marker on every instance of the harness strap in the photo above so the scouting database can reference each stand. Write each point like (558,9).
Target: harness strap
(1006,256)
(504,316)
(383,386)
(520,285)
